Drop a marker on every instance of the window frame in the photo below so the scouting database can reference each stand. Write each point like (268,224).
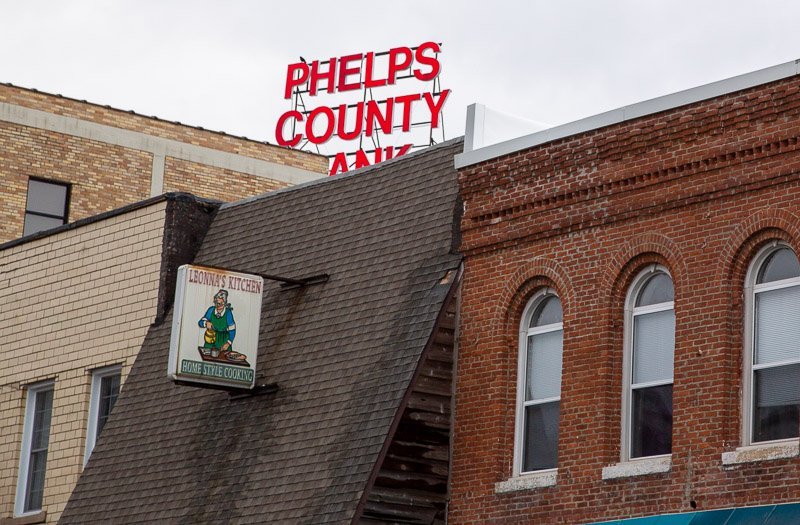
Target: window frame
(94,405)
(749,292)
(67,196)
(25,449)
(631,310)
(524,331)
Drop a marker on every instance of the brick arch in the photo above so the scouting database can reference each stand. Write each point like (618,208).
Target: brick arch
(519,287)
(750,235)
(529,277)
(746,239)
(615,277)
(623,263)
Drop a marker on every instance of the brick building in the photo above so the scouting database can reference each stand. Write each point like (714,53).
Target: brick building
(62,160)
(80,300)
(629,317)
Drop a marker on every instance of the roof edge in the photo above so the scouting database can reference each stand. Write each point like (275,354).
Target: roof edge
(172,196)
(398,415)
(345,175)
(616,116)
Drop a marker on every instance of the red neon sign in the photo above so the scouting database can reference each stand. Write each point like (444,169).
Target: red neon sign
(367,117)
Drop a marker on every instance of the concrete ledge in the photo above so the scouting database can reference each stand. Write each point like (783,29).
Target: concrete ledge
(638,467)
(763,452)
(535,480)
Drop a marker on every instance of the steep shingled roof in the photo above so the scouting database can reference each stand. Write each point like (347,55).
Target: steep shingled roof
(342,353)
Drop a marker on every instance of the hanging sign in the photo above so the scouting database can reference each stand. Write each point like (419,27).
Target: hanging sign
(215,327)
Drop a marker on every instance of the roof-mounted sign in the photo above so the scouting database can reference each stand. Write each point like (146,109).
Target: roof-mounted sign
(215,327)
(355,113)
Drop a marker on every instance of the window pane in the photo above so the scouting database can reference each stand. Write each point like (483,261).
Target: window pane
(543,377)
(37,462)
(782,264)
(41,419)
(541,437)
(776,399)
(109,390)
(35,487)
(548,312)
(653,346)
(37,223)
(657,290)
(777,325)
(44,197)
(651,425)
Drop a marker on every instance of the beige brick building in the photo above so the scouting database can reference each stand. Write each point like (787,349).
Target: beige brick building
(62,160)
(77,301)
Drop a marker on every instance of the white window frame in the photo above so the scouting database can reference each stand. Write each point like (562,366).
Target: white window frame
(524,332)
(631,310)
(94,406)
(25,450)
(750,289)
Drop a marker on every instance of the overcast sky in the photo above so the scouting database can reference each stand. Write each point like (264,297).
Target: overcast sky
(222,65)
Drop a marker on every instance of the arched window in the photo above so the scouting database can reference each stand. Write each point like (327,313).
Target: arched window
(648,360)
(772,346)
(539,385)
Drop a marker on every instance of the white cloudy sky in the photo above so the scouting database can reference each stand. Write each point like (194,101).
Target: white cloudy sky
(221,65)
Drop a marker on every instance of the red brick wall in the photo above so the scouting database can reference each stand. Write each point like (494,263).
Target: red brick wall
(699,189)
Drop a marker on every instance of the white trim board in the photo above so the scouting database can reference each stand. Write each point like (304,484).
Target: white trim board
(615,116)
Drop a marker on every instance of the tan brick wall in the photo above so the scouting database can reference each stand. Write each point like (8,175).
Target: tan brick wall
(103,177)
(214,183)
(161,128)
(106,176)
(82,299)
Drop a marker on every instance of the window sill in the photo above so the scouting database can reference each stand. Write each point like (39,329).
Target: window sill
(762,452)
(30,519)
(535,480)
(638,467)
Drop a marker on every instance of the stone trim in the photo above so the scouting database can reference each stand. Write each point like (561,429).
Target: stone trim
(638,467)
(535,480)
(761,452)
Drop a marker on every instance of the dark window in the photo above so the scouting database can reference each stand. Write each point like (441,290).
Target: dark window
(46,207)
(37,462)
(652,340)
(105,390)
(776,359)
(541,356)
(109,390)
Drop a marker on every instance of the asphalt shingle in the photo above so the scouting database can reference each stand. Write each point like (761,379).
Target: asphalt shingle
(342,354)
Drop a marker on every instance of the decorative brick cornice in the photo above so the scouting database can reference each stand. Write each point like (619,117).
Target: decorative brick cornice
(681,185)
(635,181)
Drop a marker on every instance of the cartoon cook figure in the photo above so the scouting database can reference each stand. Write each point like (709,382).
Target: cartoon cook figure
(220,328)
